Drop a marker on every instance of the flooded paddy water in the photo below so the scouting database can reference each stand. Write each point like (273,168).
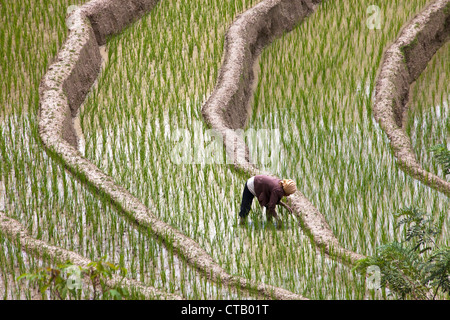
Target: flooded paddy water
(156,75)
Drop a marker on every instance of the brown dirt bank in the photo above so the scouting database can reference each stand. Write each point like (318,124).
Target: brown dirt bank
(403,62)
(228,108)
(15,231)
(109,17)
(64,88)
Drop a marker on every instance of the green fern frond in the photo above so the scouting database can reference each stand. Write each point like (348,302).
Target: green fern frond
(442,155)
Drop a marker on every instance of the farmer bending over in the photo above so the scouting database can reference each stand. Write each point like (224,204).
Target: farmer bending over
(269,191)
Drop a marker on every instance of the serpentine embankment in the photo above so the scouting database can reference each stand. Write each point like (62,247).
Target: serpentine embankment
(228,107)
(63,89)
(403,63)
(16,232)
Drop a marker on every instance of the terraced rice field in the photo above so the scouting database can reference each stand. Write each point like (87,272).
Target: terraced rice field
(313,98)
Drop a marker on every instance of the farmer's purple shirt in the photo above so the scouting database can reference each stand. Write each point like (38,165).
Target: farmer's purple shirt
(268,191)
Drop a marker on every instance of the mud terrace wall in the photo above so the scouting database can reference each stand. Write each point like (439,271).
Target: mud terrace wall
(71,75)
(228,108)
(14,230)
(248,35)
(64,88)
(403,62)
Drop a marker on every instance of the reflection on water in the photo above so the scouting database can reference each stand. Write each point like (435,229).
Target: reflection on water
(57,209)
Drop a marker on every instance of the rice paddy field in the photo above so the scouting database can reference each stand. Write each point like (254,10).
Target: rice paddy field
(315,87)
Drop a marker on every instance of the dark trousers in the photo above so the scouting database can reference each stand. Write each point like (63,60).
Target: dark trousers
(246,204)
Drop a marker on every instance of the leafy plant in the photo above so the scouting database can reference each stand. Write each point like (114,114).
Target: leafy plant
(52,279)
(59,280)
(442,155)
(100,270)
(438,270)
(414,268)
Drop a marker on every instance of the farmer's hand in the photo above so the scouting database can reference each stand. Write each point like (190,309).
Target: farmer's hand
(271,213)
(286,206)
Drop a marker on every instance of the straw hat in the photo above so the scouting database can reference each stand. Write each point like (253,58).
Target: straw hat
(289,186)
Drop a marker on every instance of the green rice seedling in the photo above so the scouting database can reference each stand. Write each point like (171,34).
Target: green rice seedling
(320,78)
(361,156)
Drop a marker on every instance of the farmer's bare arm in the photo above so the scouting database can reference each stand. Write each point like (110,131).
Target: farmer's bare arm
(286,206)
